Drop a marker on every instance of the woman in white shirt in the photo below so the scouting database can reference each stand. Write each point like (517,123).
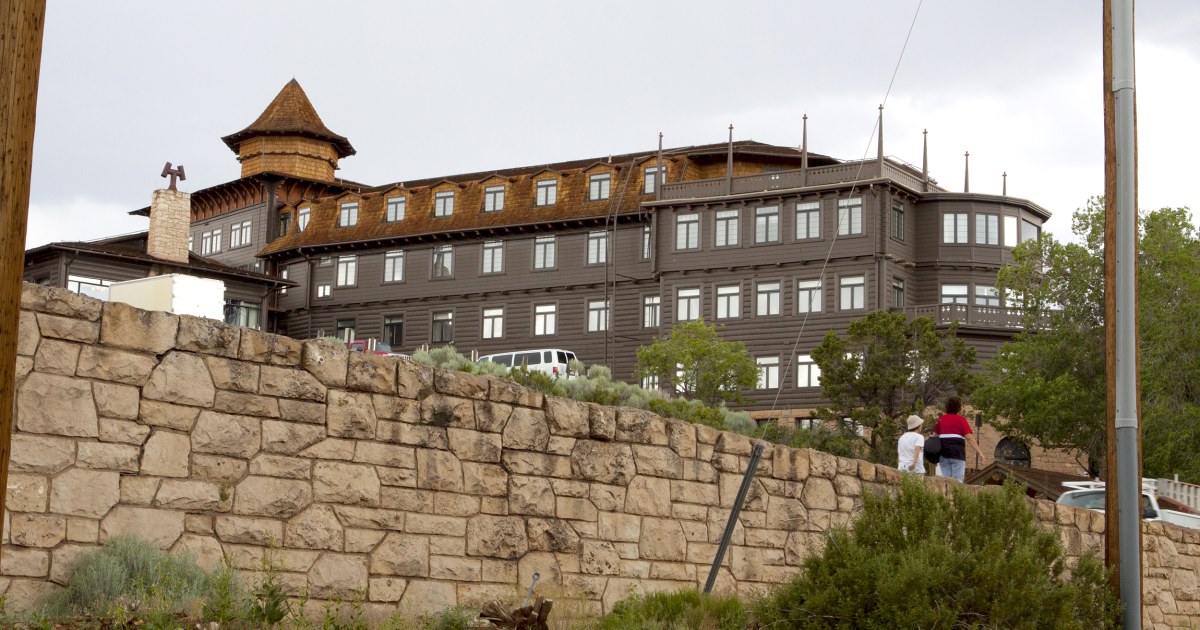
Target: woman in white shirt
(909,448)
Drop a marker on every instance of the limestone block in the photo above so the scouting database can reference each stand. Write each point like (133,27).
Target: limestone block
(280,466)
(695,492)
(607,498)
(526,430)
(497,537)
(48,403)
(67,328)
(56,357)
(385,589)
(438,470)
(123,326)
(370,518)
(217,468)
(29,594)
(786,514)
(599,557)
(181,378)
(268,496)
(546,565)
(659,461)
(411,434)
(445,411)
(460,384)
(27,493)
(110,364)
(137,490)
(289,383)
(64,561)
(484,479)
(166,454)
(245,530)
(204,549)
(529,463)
(866,471)
(847,486)
(450,546)
(618,527)
(331,449)
(362,540)
(27,334)
(226,434)
(453,568)
(385,455)
(58,301)
(570,488)
(662,539)
(413,380)
(315,528)
(302,411)
(502,391)
(402,477)
(530,495)
(37,530)
(731,483)
(490,416)
(233,375)
(396,408)
(261,347)
(475,446)
(603,461)
(90,493)
(337,576)
(246,404)
(567,417)
(194,523)
(561,445)
(159,528)
(191,496)
(115,401)
(575,509)
(350,415)
(289,438)
(163,414)
(548,534)
(648,495)
(401,554)
(207,336)
(325,360)
(819,494)
(681,437)
(371,373)
(602,422)
(102,456)
(821,464)
(431,524)
(423,597)
(41,454)
(346,484)
(639,426)
(454,504)
(25,562)
(24,366)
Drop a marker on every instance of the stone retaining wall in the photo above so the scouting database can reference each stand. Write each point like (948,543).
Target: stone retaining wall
(373,477)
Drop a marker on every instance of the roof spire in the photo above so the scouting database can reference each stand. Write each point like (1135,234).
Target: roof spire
(925,160)
(291,113)
(879,146)
(967,172)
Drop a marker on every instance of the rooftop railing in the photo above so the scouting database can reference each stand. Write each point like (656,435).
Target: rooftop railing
(845,172)
(971,315)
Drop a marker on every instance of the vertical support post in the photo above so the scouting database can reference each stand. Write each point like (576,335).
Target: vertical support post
(967,172)
(729,164)
(751,468)
(925,161)
(660,177)
(21,25)
(879,143)
(804,154)
(1004,184)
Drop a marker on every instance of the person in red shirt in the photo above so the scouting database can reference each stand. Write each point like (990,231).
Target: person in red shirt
(956,434)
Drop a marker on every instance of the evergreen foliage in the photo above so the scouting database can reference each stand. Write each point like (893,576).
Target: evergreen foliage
(685,610)
(699,363)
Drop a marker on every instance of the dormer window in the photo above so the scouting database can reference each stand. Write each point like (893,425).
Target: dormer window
(349,214)
(493,198)
(302,218)
(443,203)
(547,192)
(599,186)
(395,208)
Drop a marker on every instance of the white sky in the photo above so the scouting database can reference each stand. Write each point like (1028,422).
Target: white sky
(438,88)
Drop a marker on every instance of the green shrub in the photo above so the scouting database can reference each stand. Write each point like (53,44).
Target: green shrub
(456,618)
(689,410)
(837,441)
(685,610)
(445,357)
(919,560)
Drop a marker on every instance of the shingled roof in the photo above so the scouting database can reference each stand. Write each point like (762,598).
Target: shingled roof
(290,114)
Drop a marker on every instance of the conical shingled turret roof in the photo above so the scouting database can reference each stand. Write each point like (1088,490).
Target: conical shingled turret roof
(290,114)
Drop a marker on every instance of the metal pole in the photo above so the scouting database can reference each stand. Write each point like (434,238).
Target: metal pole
(755,455)
(729,164)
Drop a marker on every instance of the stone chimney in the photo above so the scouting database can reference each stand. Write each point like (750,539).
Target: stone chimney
(170,221)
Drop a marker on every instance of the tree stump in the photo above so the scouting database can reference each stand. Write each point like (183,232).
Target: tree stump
(530,617)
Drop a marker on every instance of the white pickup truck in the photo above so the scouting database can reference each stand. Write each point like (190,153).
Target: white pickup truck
(1090,496)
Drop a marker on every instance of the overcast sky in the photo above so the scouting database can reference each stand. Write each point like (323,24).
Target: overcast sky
(438,88)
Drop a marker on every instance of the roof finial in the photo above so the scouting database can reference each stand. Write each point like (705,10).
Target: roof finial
(1004,187)
(925,160)
(729,163)
(879,148)
(967,172)
(174,173)
(804,153)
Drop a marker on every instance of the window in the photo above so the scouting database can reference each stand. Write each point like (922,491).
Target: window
(986,295)
(283,275)
(544,249)
(210,242)
(285,219)
(850,219)
(91,287)
(1010,231)
(493,256)
(443,261)
(393,330)
(687,305)
(191,244)
(767,302)
(651,311)
(325,261)
(726,228)
(544,319)
(323,291)
(396,207)
(547,192)
(393,266)
(597,315)
(239,234)
(347,271)
(597,247)
(443,203)
(954,294)
(348,214)
(649,181)
(898,221)
(987,229)
(442,330)
(768,372)
(954,227)
(493,198)
(766,224)
(345,330)
(650,382)
(808,374)
(244,314)
(729,301)
(897,293)
(687,231)
(599,186)
(853,293)
(1029,231)
(647,242)
(493,323)
(809,297)
(302,218)
(808,220)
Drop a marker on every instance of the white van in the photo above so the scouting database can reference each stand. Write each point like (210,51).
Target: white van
(551,361)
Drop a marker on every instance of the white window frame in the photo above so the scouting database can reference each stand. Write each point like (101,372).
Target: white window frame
(647,242)
(987,228)
(766,225)
(810,296)
(393,266)
(651,311)
(546,192)
(445,255)
(396,208)
(303,215)
(955,227)
(348,214)
(687,305)
(725,227)
(443,203)
(768,372)
(545,319)
(1037,230)
(808,220)
(597,315)
(898,292)
(852,293)
(768,298)
(987,295)
(283,275)
(347,271)
(493,257)
(239,234)
(493,322)
(808,373)
(954,294)
(599,186)
(493,198)
(545,252)
(597,247)
(898,226)
(650,183)
(687,231)
(850,216)
(729,301)
(1011,234)
(324,291)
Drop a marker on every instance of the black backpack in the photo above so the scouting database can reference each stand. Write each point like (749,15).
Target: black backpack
(933,449)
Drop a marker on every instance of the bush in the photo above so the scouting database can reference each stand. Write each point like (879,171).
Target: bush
(685,610)
(836,441)
(919,560)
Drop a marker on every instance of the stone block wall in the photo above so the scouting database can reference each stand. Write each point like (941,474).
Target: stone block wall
(376,478)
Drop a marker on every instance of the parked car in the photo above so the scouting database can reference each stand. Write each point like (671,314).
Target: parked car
(551,361)
(370,346)
(1090,495)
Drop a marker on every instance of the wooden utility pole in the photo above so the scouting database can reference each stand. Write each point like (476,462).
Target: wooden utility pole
(20,63)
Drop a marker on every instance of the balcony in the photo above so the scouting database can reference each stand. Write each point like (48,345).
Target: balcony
(784,180)
(970,315)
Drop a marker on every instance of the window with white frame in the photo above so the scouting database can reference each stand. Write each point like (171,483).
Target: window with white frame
(283,275)
(986,295)
(725,227)
(650,382)
(649,181)
(597,315)
(651,311)
(647,242)
(687,305)
(347,271)
(987,229)
(898,221)
(325,261)
(850,216)
(348,214)
(1029,231)
(302,217)
(766,224)
(210,242)
(1010,231)
(808,373)
(545,250)
(443,261)
(597,247)
(809,296)
(599,186)
(442,328)
(852,292)
(767,300)
(239,234)
(443,203)
(954,227)
(954,294)
(393,266)
(768,372)
(687,231)
(545,318)
(808,220)
(493,198)
(493,256)
(493,323)
(345,330)
(324,291)
(547,192)
(396,207)
(91,287)
(393,330)
(897,293)
(729,301)
(191,243)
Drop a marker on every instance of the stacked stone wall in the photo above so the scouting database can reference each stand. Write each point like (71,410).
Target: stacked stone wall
(373,477)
